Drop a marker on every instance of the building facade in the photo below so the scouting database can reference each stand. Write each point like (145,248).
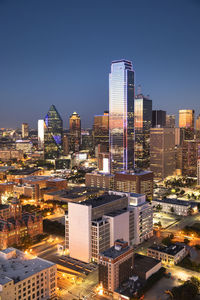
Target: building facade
(162,152)
(101,130)
(159,118)
(186,122)
(142,123)
(25,130)
(75,132)
(121,116)
(53,134)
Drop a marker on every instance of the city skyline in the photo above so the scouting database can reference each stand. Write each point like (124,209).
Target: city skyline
(40,58)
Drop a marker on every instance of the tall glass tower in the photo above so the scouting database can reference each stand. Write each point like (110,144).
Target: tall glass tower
(53,134)
(143,123)
(121,116)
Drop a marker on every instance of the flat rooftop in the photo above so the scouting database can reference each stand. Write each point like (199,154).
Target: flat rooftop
(171,250)
(101,200)
(114,253)
(134,172)
(116,213)
(20,266)
(144,263)
(174,201)
(23,172)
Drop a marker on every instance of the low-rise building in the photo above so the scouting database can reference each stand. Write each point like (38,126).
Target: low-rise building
(24,277)
(145,266)
(169,255)
(176,206)
(12,230)
(115,265)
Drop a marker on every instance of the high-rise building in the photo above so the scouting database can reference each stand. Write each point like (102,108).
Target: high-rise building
(186,121)
(65,144)
(116,266)
(189,157)
(101,129)
(162,152)
(25,130)
(198,172)
(143,123)
(53,134)
(92,226)
(170,121)
(41,134)
(121,116)
(75,132)
(158,118)
(198,127)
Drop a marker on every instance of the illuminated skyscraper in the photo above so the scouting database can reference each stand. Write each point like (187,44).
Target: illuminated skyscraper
(186,121)
(40,134)
(198,127)
(75,132)
(53,134)
(25,130)
(170,121)
(142,121)
(101,129)
(121,116)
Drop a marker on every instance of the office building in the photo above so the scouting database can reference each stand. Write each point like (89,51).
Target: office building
(136,181)
(41,134)
(96,223)
(121,116)
(176,206)
(24,145)
(143,123)
(75,132)
(198,172)
(65,144)
(158,118)
(101,130)
(162,152)
(25,130)
(23,276)
(189,157)
(99,180)
(115,265)
(53,134)
(169,255)
(198,127)
(186,121)
(143,218)
(170,121)
(8,155)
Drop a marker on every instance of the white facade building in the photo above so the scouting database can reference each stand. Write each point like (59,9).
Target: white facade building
(40,134)
(176,206)
(24,277)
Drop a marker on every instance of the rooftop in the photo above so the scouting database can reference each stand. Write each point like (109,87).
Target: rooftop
(117,250)
(134,172)
(171,250)
(144,263)
(23,172)
(174,201)
(20,266)
(101,200)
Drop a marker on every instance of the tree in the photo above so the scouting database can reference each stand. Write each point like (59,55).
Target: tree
(159,207)
(172,210)
(186,241)
(167,241)
(185,292)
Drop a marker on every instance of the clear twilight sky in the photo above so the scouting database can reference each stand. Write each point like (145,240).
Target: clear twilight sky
(60,51)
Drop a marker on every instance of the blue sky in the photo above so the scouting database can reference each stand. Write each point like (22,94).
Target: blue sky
(59,52)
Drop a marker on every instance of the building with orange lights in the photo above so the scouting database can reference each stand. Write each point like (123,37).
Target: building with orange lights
(75,132)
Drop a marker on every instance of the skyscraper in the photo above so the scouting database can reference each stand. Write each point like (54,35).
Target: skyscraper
(170,121)
(101,129)
(142,121)
(75,132)
(198,127)
(40,134)
(162,152)
(186,121)
(159,118)
(53,134)
(25,130)
(121,116)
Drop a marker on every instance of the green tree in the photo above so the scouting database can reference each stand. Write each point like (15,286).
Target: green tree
(186,241)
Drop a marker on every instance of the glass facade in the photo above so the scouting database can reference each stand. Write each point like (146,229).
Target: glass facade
(121,116)
(143,123)
(186,121)
(53,134)
(75,132)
